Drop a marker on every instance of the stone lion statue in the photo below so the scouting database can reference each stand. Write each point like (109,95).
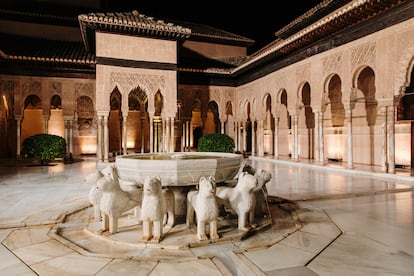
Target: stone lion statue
(241,199)
(95,193)
(153,209)
(203,202)
(263,177)
(114,201)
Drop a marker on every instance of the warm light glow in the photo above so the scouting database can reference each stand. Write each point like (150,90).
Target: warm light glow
(131,143)
(334,145)
(88,149)
(403,144)
(6,107)
(87,144)
(32,123)
(268,141)
(56,124)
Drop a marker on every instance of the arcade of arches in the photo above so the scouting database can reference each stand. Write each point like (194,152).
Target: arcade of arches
(305,133)
(347,104)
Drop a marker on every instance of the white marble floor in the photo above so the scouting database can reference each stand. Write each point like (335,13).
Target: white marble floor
(348,222)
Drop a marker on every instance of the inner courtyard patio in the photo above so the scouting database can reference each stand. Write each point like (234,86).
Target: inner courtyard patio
(331,221)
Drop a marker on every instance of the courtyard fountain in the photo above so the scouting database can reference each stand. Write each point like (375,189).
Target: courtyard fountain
(184,175)
(179,171)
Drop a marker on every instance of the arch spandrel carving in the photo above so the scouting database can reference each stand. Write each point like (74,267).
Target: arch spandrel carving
(364,54)
(281,80)
(404,68)
(332,63)
(303,72)
(84,89)
(147,82)
(55,88)
(32,87)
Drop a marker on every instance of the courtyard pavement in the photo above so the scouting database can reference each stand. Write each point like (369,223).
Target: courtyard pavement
(331,221)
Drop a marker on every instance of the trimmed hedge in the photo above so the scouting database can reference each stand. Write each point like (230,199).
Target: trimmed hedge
(46,147)
(216,142)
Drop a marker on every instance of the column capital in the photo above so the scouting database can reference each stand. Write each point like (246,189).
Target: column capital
(68,118)
(317,108)
(386,102)
(293,112)
(102,113)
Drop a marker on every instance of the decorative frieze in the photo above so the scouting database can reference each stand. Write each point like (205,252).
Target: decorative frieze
(281,80)
(32,87)
(364,54)
(332,63)
(303,72)
(55,88)
(129,81)
(84,89)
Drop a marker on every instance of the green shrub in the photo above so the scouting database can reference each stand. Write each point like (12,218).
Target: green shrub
(216,142)
(46,147)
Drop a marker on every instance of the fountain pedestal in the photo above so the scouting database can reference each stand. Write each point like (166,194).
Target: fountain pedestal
(179,171)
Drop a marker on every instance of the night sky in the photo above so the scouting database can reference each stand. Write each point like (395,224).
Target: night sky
(258,20)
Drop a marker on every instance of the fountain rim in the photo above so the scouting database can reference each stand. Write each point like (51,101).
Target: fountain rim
(178,155)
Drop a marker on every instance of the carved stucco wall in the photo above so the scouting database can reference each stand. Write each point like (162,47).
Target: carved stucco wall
(127,79)
(346,61)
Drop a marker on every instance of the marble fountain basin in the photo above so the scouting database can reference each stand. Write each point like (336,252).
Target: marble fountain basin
(178,168)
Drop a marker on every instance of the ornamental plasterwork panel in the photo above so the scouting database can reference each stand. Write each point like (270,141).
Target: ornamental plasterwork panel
(215,96)
(32,87)
(406,48)
(365,54)
(280,80)
(303,72)
(84,89)
(55,88)
(6,85)
(229,96)
(129,81)
(332,63)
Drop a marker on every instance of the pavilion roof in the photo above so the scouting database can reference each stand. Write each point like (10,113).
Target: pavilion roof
(135,23)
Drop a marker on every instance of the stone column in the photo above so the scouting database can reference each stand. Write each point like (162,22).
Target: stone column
(276,138)
(124,135)
(99,139)
(172,148)
(253,140)
(244,146)
(316,136)
(239,135)
(348,118)
(106,139)
(383,112)
(187,130)
(46,122)
(391,138)
(183,137)
(70,125)
(222,126)
(167,134)
(260,137)
(321,138)
(151,123)
(66,135)
(18,137)
(295,155)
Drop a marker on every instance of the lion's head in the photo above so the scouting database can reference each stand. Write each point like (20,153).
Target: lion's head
(207,186)
(152,185)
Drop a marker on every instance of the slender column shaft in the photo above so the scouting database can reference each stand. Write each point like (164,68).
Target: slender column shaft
(391,139)
(106,139)
(348,118)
